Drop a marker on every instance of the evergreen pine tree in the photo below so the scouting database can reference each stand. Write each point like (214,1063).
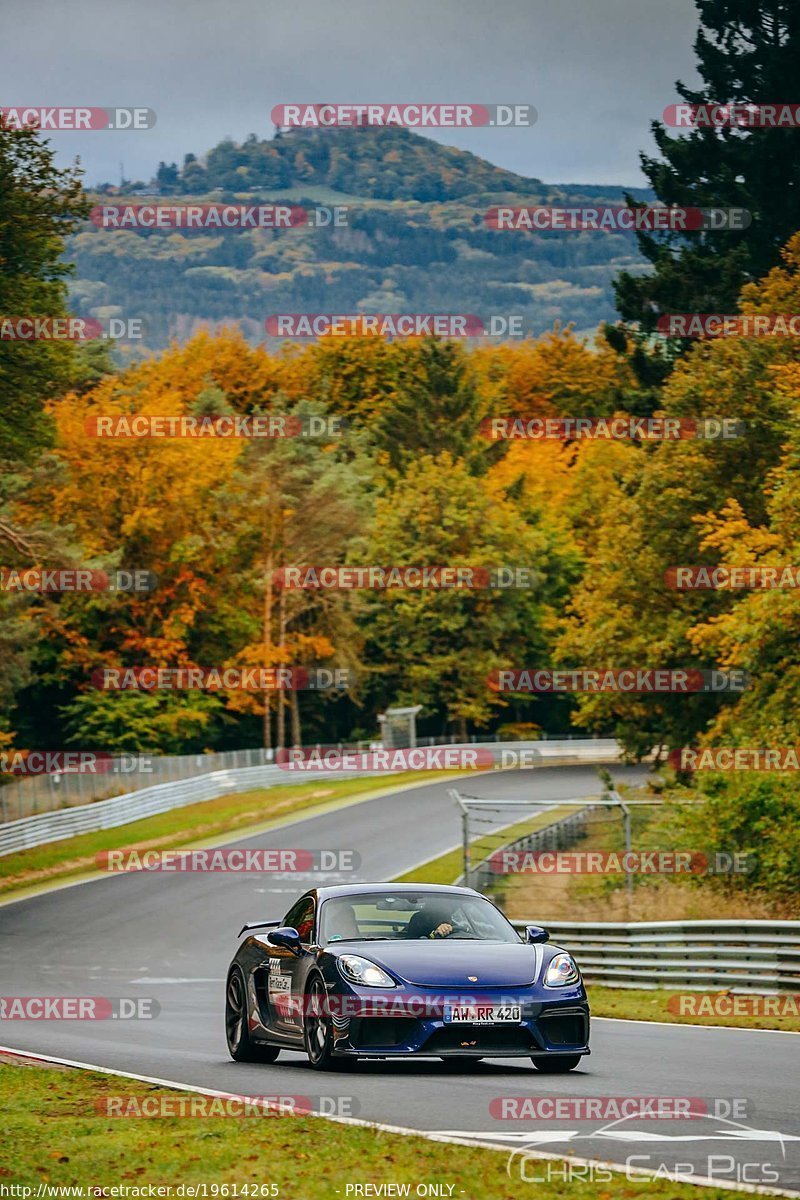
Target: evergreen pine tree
(748,53)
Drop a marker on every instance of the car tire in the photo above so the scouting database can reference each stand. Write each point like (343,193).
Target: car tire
(558,1064)
(241,1047)
(318,1028)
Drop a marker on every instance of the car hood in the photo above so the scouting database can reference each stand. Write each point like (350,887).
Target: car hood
(443,963)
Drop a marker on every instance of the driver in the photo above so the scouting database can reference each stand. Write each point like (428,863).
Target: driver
(433,921)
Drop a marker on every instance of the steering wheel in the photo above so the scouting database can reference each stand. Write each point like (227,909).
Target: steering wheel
(455,927)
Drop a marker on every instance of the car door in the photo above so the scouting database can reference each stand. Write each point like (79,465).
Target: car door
(287,972)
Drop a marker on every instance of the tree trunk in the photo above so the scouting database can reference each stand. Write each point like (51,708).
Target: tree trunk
(267,639)
(294,702)
(280,699)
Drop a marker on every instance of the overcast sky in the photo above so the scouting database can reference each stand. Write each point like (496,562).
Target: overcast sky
(597,71)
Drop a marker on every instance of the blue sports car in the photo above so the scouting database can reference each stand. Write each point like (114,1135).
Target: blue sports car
(380,971)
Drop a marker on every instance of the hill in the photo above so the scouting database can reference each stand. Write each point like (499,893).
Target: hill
(415,240)
(376,164)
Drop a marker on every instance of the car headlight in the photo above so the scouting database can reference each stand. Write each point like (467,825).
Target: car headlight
(561,971)
(363,972)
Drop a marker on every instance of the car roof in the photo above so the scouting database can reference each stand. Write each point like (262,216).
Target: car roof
(366,889)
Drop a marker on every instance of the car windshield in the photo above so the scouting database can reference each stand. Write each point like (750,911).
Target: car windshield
(397,916)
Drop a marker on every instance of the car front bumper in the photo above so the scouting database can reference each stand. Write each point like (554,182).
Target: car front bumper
(548,1027)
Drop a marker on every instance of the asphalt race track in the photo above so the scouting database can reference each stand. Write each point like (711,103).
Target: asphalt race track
(171,937)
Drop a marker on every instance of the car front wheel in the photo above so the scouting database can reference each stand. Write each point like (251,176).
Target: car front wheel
(317,1027)
(557,1064)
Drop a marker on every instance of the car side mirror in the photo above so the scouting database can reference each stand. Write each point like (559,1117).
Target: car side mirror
(535,933)
(286,937)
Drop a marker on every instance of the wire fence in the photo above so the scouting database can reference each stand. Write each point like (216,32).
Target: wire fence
(132,772)
(489,847)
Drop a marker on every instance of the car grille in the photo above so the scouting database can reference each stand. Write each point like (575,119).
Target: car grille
(480,1039)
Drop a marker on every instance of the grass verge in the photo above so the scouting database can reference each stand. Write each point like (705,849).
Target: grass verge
(635,1004)
(605,897)
(54,1135)
(196,823)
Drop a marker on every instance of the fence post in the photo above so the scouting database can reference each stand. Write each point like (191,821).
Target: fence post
(465,837)
(626,813)
(454,794)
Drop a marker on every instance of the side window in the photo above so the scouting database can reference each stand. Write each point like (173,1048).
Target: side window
(301,917)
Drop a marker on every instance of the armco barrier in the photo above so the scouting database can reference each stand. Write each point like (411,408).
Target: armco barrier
(741,956)
(26,797)
(145,802)
(121,810)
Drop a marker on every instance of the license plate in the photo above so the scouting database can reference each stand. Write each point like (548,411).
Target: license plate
(482,1014)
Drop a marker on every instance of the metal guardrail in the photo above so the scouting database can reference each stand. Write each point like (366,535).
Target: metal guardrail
(119,776)
(741,956)
(134,806)
(145,802)
(134,772)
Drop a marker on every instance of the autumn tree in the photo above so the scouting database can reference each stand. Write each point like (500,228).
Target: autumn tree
(661,498)
(437,647)
(140,503)
(293,500)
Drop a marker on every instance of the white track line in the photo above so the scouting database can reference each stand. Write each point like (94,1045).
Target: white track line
(643,1172)
(691,1025)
